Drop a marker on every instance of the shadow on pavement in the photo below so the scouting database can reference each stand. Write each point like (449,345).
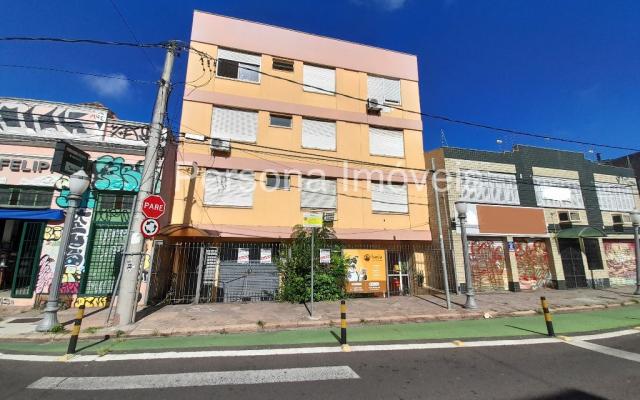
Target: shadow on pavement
(567,394)
(97,310)
(145,312)
(527,330)
(106,337)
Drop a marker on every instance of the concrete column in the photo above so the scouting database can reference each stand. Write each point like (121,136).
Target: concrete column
(556,266)
(512,268)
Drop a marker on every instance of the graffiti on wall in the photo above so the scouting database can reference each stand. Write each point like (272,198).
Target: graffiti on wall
(45,274)
(109,173)
(48,256)
(24,117)
(92,301)
(488,264)
(621,261)
(534,270)
(52,232)
(128,131)
(75,254)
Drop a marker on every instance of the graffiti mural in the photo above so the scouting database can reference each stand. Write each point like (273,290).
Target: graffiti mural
(92,301)
(128,131)
(621,261)
(45,274)
(48,257)
(32,118)
(532,257)
(112,173)
(52,232)
(488,264)
(76,252)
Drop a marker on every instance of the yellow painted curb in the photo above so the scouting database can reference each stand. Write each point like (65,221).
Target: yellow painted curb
(637,328)
(346,348)
(65,357)
(459,343)
(565,338)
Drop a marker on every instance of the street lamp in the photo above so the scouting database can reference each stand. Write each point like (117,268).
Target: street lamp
(78,183)
(461,208)
(635,220)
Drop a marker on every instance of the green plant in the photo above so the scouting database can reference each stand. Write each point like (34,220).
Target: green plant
(58,328)
(155,332)
(103,351)
(120,333)
(295,267)
(261,323)
(91,330)
(420,278)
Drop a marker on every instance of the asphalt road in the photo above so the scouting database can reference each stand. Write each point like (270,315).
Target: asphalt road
(541,371)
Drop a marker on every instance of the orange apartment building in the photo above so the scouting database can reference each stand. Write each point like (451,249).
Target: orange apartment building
(291,122)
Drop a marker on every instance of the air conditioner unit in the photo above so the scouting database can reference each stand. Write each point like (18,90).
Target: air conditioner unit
(568,217)
(329,216)
(374,105)
(221,145)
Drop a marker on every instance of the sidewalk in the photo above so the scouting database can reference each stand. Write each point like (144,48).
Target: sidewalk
(182,320)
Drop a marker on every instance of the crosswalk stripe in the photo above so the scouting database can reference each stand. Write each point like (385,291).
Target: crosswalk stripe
(216,378)
(610,351)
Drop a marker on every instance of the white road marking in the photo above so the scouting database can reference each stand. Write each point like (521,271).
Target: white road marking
(195,379)
(310,350)
(610,351)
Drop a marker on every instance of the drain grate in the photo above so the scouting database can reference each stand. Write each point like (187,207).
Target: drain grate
(23,320)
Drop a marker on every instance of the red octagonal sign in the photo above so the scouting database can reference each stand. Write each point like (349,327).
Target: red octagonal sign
(153,206)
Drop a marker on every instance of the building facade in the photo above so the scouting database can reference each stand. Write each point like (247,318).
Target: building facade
(33,199)
(291,122)
(537,218)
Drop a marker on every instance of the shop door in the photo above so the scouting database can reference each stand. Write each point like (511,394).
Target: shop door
(397,273)
(105,256)
(572,264)
(27,261)
(488,265)
(532,258)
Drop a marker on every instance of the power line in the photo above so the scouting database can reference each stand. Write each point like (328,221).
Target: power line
(67,71)
(133,35)
(162,45)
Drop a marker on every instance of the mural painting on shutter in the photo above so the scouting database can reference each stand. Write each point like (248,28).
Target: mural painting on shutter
(318,134)
(488,265)
(621,261)
(385,142)
(229,188)
(318,193)
(234,125)
(532,259)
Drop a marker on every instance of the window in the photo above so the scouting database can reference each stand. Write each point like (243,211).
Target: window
(391,198)
(488,187)
(282,182)
(238,65)
(29,197)
(386,142)
(280,121)
(282,64)
(234,125)
(318,79)
(385,90)
(318,193)
(615,197)
(113,207)
(592,251)
(228,188)
(318,134)
(558,192)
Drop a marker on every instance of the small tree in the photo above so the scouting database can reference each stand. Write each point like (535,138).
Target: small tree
(295,267)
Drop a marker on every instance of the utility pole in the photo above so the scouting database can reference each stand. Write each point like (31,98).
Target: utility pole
(128,290)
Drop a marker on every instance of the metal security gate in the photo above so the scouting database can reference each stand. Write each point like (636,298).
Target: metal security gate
(27,261)
(572,264)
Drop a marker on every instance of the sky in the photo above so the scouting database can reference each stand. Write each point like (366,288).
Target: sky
(567,68)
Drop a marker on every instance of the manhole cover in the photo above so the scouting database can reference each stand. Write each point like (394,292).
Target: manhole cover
(24,320)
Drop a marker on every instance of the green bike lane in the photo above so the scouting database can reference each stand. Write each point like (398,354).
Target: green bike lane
(510,327)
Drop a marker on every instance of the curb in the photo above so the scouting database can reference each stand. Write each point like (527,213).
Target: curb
(309,324)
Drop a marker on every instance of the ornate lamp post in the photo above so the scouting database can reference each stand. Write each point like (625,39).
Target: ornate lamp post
(78,183)
(635,220)
(461,208)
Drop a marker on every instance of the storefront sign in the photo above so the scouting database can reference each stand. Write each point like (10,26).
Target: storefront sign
(243,256)
(312,220)
(24,165)
(68,159)
(325,256)
(367,271)
(265,256)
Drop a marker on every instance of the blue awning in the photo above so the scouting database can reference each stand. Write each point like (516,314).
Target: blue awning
(47,214)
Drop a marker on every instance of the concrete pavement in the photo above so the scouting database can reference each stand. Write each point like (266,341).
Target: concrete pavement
(257,317)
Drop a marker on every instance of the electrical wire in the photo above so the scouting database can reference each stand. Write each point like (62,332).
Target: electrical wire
(133,35)
(67,71)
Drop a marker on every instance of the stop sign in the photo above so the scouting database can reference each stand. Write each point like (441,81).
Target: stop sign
(153,206)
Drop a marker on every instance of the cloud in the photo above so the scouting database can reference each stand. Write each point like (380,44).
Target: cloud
(388,5)
(108,87)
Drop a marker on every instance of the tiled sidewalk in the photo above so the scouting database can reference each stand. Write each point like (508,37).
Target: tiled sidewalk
(236,317)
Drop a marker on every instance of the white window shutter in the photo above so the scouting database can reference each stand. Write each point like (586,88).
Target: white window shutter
(318,193)
(318,77)
(389,198)
(385,142)
(615,197)
(318,134)
(392,91)
(488,187)
(375,88)
(238,56)
(558,192)
(229,188)
(234,125)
